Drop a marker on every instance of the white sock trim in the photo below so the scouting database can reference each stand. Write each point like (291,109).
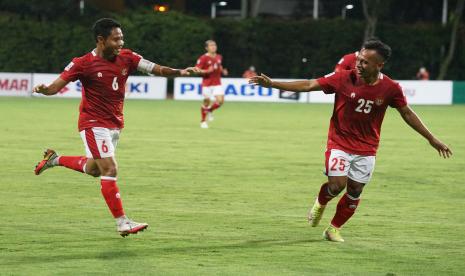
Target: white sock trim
(108,178)
(353,198)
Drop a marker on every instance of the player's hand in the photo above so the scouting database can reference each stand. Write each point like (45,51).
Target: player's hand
(190,70)
(262,80)
(41,89)
(442,148)
(225,72)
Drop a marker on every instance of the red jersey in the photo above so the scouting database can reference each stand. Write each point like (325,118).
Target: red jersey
(103,87)
(205,62)
(359,110)
(347,62)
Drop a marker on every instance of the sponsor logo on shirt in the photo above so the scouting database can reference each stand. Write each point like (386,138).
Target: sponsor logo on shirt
(352,95)
(99,74)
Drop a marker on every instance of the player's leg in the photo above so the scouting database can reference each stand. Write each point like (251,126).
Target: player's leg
(336,170)
(361,169)
(101,143)
(218,93)
(205,108)
(81,164)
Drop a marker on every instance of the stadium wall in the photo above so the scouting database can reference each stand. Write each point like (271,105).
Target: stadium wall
(236,89)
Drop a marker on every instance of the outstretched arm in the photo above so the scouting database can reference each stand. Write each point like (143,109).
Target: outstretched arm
(295,86)
(165,71)
(51,89)
(411,118)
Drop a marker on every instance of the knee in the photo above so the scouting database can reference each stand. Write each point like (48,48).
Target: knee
(94,172)
(110,171)
(336,187)
(355,190)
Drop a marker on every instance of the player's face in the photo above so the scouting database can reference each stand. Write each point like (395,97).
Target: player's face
(369,63)
(114,42)
(211,47)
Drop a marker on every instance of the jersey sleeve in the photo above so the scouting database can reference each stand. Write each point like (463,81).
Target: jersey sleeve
(330,83)
(201,63)
(72,71)
(398,99)
(134,58)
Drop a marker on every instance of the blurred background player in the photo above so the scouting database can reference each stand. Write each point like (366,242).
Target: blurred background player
(422,74)
(347,62)
(211,69)
(362,97)
(250,72)
(103,73)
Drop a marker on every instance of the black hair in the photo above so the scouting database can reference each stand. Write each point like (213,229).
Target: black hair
(381,48)
(103,27)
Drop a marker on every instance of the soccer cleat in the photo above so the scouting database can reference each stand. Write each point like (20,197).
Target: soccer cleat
(203,125)
(46,163)
(333,234)
(315,214)
(130,227)
(210,117)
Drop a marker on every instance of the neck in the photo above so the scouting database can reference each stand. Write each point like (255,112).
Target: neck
(371,80)
(101,53)
(211,54)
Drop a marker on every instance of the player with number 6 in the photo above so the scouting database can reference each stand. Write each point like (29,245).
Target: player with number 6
(362,96)
(103,73)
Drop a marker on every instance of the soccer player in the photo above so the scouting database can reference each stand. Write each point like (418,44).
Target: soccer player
(347,62)
(211,69)
(362,96)
(103,73)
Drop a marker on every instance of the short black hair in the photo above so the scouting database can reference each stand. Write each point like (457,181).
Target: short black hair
(103,27)
(381,48)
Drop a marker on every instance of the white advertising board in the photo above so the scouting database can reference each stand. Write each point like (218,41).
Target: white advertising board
(428,92)
(15,84)
(136,87)
(235,89)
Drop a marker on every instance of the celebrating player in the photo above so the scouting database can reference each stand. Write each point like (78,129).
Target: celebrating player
(347,62)
(103,73)
(211,68)
(362,96)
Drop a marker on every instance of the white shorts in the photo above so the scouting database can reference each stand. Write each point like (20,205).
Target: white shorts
(100,142)
(356,167)
(209,91)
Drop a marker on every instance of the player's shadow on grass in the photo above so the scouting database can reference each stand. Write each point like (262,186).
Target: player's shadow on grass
(119,252)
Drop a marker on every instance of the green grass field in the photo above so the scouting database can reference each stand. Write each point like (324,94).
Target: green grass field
(228,200)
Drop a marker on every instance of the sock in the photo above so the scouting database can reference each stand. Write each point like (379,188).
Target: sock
(345,209)
(215,106)
(325,195)
(204,110)
(76,163)
(111,194)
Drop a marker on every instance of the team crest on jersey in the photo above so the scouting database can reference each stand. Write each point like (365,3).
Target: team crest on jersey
(124,72)
(379,101)
(352,95)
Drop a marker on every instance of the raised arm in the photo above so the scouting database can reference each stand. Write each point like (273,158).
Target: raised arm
(51,89)
(411,118)
(295,86)
(165,71)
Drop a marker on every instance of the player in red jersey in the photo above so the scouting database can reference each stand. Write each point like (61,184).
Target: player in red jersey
(347,62)
(211,68)
(103,73)
(362,96)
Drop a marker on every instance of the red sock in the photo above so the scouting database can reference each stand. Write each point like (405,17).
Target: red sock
(111,194)
(204,110)
(324,196)
(76,163)
(215,106)
(345,209)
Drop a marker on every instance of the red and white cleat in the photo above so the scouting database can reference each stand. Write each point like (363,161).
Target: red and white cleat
(130,227)
(46,163)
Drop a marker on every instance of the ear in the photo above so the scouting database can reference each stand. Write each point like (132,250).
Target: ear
(380,65)
(100,39)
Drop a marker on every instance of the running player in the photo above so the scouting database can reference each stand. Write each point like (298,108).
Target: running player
(103,73)
(211,68)
(362,96)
